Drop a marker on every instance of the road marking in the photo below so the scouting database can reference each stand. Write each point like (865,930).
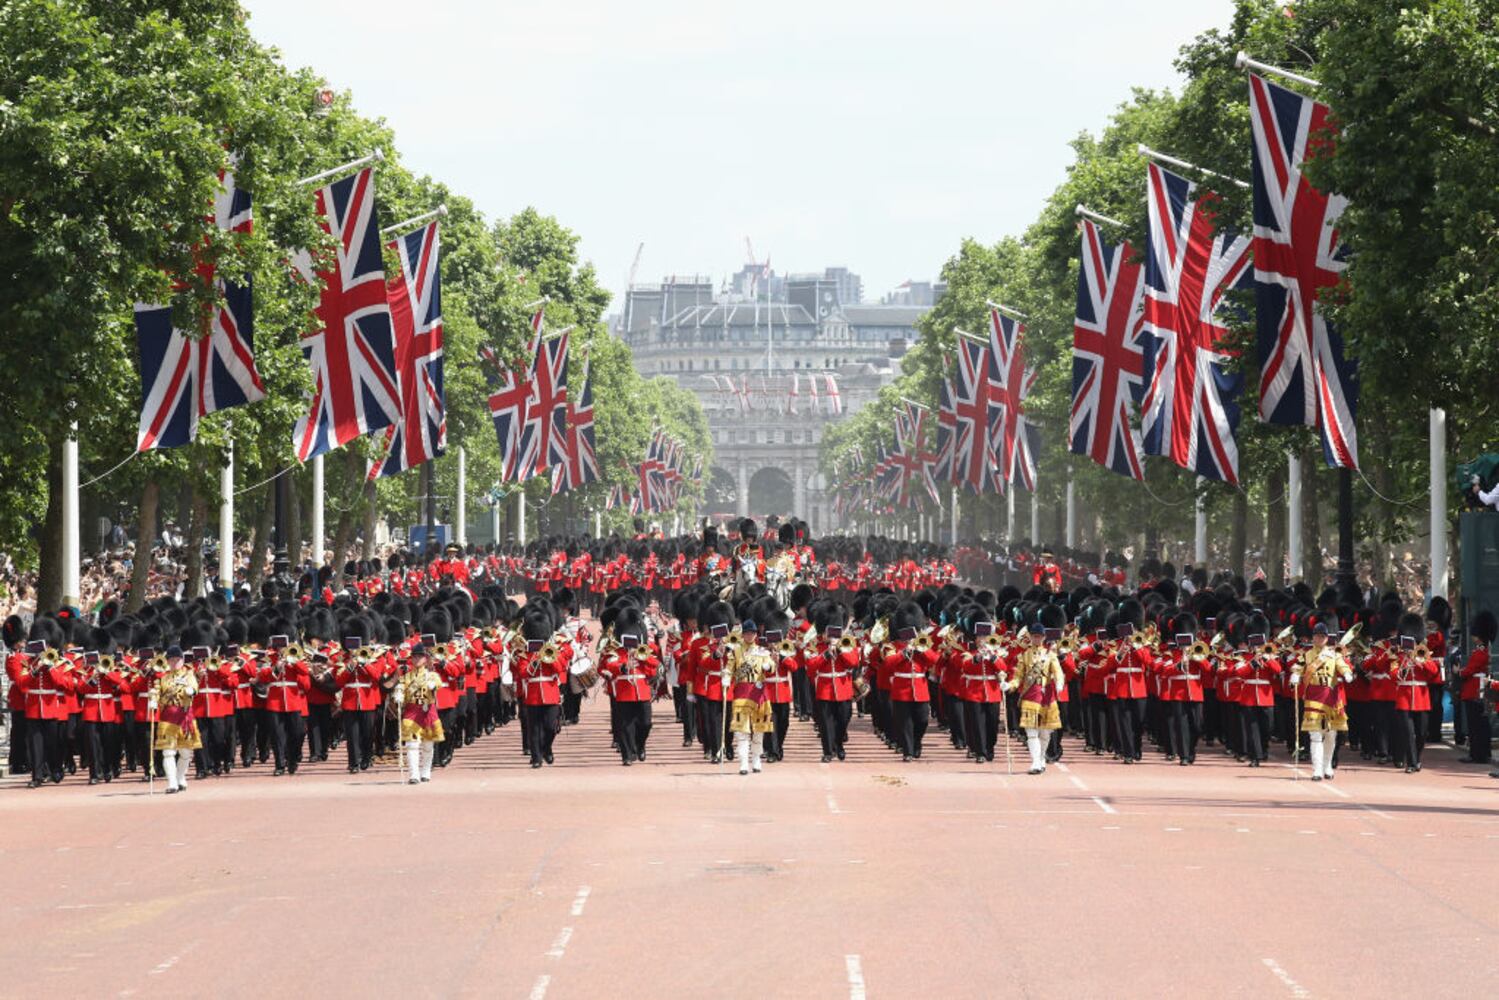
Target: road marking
(827,784)
(579,900)
(1297,990)
(1306,831)
(164,966)
(855,977)
(1173,829)
(1062,767)
(1242,829)
(539,991)
(559,946)
(1102,804)
(1077,782)
(1111,828)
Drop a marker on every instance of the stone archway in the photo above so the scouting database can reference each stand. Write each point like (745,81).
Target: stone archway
(721,493)
(771,491)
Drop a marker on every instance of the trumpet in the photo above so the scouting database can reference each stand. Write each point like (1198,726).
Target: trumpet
(993,644)
(293,652)
(787,648)
(922,643)
(158,663)
(1199,650)
(548,653)
(847,643)
(1067,646)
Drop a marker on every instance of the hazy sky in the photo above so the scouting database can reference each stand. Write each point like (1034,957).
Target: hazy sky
(866,134)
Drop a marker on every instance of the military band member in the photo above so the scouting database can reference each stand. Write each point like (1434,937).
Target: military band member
(1475,678)
(833,663)
(1037,679)
(176,731)
(284,672)
(541,671)
(629,669)
(745,667)
(421,728)
(1319,679)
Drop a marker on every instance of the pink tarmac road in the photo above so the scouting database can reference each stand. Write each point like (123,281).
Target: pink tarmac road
(676,878)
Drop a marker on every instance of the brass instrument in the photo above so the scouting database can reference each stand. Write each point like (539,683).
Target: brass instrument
(106,663)
(847,643)
(548,653)
(158,663)
(1199,650)
(293,652)
(922,643)
(48,659)
(809,637)
(879,632)
(993,644)
(1067,645)
(787,648)
(1421,652)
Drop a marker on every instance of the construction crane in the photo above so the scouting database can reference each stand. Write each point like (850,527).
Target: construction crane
(629,284)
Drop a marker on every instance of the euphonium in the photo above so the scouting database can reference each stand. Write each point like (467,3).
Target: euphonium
(158,662)
(1199,650)
(1421,652)
(993,644)
(294,652)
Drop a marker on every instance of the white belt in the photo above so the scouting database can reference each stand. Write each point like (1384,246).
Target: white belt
(1380,677)
(1255,682)
(1187,677)
(1413,684)
(242,687)
(1129,670)
(908,676)
(284,684)
(100,697)
(358,684)
(50,691)
(779,680)
(212,691)
(835,673)
(980,677)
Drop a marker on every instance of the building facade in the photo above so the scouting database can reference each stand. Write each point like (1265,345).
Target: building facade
(764,369)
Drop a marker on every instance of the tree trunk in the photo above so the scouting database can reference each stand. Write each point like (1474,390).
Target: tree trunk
(260,538)
(1311,521)
(49,577)
(145,540)
(1275,527)
(197,518)
(1238,539)
(370,516)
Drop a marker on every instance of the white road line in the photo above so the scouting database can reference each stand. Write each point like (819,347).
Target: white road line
(579,900)
(164,966)
(855,977)
(1105,806)
(1297,990)
(1063,768)
(559,946)
(539,991)
(827,784)
(1077,782)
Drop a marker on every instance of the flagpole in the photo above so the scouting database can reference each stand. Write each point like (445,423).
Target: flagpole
(71,596)
(1005,309)
(440,212)
(1200,535)
(226,523)
(317,511)
(1088,213)
(376,157)
(1438,457)
(1242,61)
(1293,519)
(1071,511)
(1160,157)
(954,516)
(460,519)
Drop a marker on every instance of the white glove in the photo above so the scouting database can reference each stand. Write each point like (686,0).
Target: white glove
(1295,679)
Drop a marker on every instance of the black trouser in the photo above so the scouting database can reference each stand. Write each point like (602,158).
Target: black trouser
(801,693)
(264,730)
(288,731)
(1098,722)
(450,736)
(689,717)
(630,727)
(542,722)
(359,736)
(468,716)
(129,742)
(20,744)
(215,751)
(571,702)
(1410,729)
(1433,732)
(909,720)
(1184,723)
(44,743)
(1129,725)
(832,724)
(780,716)
(1256,720)
(1212,719)
(1480,732)
(957,720)
(981,726)
(319,729)
(712,724)
(1381,716)
(679,703)
(244,732)
(99,739)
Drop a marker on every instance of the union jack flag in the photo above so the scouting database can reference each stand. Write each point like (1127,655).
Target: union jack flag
(651,487)
(543,432)
(1190,412)
(1013,438)
(416,312)
(582,465)
(355,388)
(973,454)
(508,395)
(618,497)
(185,378)
(1304,378)
(947,433)
(1108,357)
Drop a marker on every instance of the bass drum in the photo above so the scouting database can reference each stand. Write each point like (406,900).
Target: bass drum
(583,675)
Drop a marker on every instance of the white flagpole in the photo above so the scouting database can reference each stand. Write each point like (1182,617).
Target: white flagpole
(1242,61)
(1153,154)
(955,516)
(317,511)
(1099,217)
(1071,512)
(71,596)
(460,527)
(376,157)
(1005,309)
(1200,546)
(1293,510)
(520,517)
(1010,516)
(1035,517)
(1438,503)
(440,212)
(226,523)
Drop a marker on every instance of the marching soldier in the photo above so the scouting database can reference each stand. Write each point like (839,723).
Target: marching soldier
(630,671)
(745,668)
(421,728)
(170,700)
(1320,678)
(1475,678)
(1038,679)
